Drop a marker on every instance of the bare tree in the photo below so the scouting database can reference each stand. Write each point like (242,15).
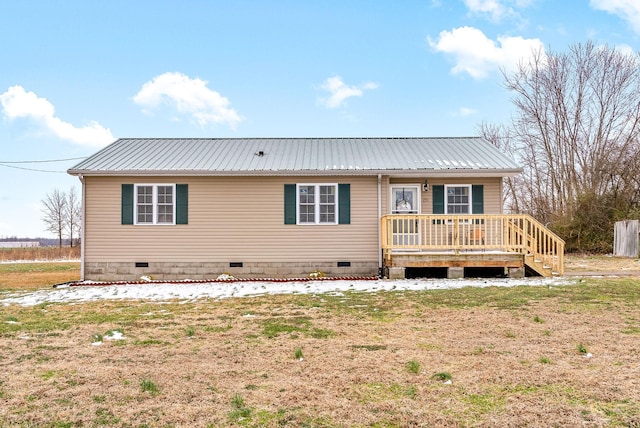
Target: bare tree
(73,215)
(55,213)
(576,125)
(500,136)
(576,132)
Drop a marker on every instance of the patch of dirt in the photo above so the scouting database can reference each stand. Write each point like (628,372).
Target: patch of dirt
(584,264)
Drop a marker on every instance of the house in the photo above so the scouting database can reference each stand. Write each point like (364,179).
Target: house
(196,208)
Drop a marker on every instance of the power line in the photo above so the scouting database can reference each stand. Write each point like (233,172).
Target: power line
(11,164)
(42,161)
(31,169)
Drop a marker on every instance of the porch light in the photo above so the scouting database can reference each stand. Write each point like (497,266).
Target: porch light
(425,186)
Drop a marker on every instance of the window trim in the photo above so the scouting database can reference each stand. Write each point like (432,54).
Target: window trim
(154,204)
(317,205)
(446,197)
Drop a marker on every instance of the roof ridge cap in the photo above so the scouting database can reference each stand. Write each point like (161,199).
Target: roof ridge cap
(301,138)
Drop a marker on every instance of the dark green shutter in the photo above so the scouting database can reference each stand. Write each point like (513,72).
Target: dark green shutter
(344,204)
(127,204)
(182,203)
(438,199)
(477,199)
(289,204)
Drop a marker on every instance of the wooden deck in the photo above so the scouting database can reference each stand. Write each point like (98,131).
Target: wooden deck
(514,242)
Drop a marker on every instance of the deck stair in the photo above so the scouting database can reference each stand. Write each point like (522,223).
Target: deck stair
(537,266)
(543,250)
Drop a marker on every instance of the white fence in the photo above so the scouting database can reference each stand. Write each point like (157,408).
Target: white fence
(625,239)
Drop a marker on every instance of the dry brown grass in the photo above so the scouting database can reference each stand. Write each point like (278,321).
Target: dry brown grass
(39,253)
(601,263)
(513,356)
(34,276)
(38,267)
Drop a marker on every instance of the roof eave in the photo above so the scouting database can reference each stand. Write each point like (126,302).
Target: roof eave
(458,172)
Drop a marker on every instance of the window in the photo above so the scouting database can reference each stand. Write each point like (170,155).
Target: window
(453,199)
(317,203)
(155,204)
(458,199)
(165,204)
(144,204)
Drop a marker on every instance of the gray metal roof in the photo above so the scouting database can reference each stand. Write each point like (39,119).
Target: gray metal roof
(293,156)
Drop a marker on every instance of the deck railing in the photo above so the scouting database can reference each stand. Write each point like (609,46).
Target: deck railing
(519,233)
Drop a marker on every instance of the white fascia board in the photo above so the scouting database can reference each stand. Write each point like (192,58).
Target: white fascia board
(361,172)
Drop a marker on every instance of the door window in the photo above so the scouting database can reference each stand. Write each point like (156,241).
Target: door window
(405,200)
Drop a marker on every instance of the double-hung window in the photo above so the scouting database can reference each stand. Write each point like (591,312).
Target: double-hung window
(317,203)
(155,204)
(458,199)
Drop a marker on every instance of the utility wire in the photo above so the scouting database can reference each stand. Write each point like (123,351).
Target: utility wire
(11,164)
(32,169)
(42,161)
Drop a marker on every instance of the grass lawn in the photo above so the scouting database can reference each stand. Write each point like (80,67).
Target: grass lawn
(33,276)
(523,356)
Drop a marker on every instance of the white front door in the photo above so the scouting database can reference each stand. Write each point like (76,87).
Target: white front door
(405,199)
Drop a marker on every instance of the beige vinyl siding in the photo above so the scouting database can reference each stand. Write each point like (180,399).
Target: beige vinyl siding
(231,219)
(492,192)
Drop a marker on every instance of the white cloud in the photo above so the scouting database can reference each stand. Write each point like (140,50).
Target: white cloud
(339,92)
(629,10)
(478,55)
(190,97)
(465,111)
(497,10)
(625,49)
(494,9)
(20,104)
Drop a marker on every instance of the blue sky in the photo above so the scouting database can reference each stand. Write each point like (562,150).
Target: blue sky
(76,75)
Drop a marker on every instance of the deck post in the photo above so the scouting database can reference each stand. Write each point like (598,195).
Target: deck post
(396,273)
(455,272)
(515,272)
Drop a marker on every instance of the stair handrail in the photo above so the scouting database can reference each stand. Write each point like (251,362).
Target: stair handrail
(539,241)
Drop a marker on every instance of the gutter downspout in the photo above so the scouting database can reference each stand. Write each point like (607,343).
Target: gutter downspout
(379,220)
(82,228)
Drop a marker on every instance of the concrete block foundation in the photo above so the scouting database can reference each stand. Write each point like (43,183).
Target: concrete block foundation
(396,273)
(127,271)
(455,272)
(517,272)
